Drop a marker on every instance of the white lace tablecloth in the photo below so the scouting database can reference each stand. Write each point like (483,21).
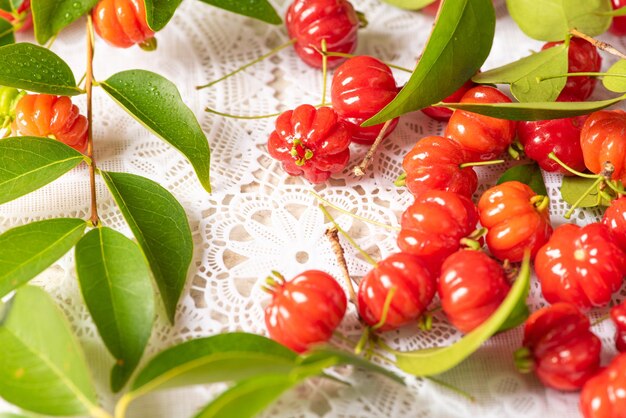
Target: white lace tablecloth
(258,219)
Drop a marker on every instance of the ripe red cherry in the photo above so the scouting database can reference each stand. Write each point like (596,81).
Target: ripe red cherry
(44,115)
(311,21)
(434,163)
(561,136)
(122,23)
(361,87)
(618,27)
(311,142)
(618,315)
(482,137)
(471,287)
(615,219)
(24,22)
(443,114)
(583,57)
(305,310)
(604,395)
(415,288)
(582,266)
(516,218)
(602,139)
(559,347)
(434,225)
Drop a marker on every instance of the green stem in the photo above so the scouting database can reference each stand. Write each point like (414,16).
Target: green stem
(613,187)
(553,156)
(581,74)
(344,55)
(583,196)
(400,181)
(386,307)
(228,115)
(481,163)
(362,341)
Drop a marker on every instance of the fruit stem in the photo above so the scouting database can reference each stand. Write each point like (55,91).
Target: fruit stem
(324,71)
(516,150)
(333,237)
(363,22)
(149,45)
(360,169)
(453,388)
(228,115)
(362,341)
(590,189)
(400,181)
(598,44)
(344,55)
(425,322)
(386,307)
(553,156)
(481,163)
(95,220)
(582,74)
(523,360)
(471,244)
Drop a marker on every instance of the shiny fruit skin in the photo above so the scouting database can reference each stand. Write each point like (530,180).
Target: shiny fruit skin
(561,136)
(311,21)
(482,137)
(121,23)
(434,225)
(618,27)
(415,289)
(513,221)
(564,352)
(615,219)
(44,115)
(305,310)
(434,164)
(604,395)
(361,87)
(583,57)
(311,142)
(618,316)
(581,266)
(443,114)
(472,286)
(603,139)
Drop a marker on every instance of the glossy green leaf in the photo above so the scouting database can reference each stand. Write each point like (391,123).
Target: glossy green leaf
(161,228)
(159,12)
(438,360)
(618,83)
(52,16)
(28,163)
(551,20)
(534,111)
(6,33)
(29,249)
(258,9)
(156,103)
(617,12)
(22,69)
(42,366)
(573,187)
(458,46)
(410,4)
(529,174)
(115,283)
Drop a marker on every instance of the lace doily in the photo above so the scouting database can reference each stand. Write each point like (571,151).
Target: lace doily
(258,219)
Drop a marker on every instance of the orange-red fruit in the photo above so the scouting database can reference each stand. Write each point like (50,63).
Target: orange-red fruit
(603,138)
(604,395)
(44,115)
(122,23)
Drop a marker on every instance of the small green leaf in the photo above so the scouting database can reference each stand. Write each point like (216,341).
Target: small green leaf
(617,12)
(42,366)
(257,9)
(161,228)
(24,72)
(618,82)
(573,187)
(458,46)
(438,360)
(159,12)
(410,4)
(156,103)
(115,283)
(534,111)
(28,163)
(52,16)
(6,33)
(30,249)
(529,174)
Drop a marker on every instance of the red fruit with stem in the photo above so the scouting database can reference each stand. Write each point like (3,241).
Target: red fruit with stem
(561,136)
(602,139)
(618,315)
(21,19)
(44,115)
(615,219)
(305,310)
(434,163)
(122,23)
(443,114)
(618,27)
(516,218)
(604,395)
(471,287)
(434,225)
(582,266)
(311,21)
(559,347)
(361,87)
(583,57)
(482,137)
(403,283)
(311,142)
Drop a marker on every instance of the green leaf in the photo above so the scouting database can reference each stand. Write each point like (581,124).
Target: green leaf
(115,283)
(156,103)
(410,4)
(42,366)
(161,228)
(28,163)
(617,83)
(458,46)
(10,5)
(9,415)
(51,16)
(534,111)
(438,360)
(257,9)
(551,20)
(30,249)
(159,12)
(573,187)
(617,12)
(22,69)
(529,174)
(6,33)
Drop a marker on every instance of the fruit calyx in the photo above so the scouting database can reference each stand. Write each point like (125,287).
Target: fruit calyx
(523,360)
(273,282)
(303,155)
